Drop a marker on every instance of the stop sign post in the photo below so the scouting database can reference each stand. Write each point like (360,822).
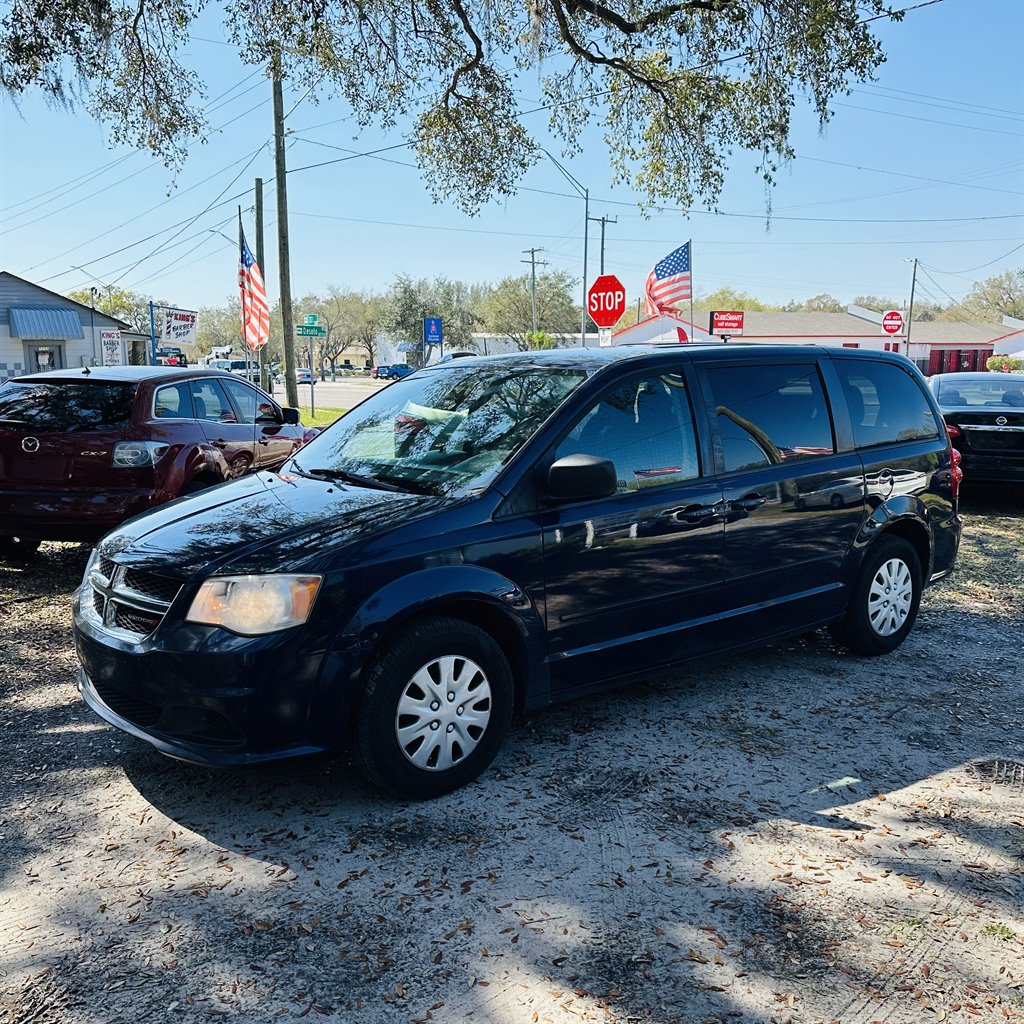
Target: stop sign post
(892,321)
(606,302)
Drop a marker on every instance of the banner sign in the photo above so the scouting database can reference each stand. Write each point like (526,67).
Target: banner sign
(726,322)
(179,327)
(110,346)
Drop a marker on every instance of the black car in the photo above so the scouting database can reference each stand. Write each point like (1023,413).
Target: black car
(984,415)
(501,533)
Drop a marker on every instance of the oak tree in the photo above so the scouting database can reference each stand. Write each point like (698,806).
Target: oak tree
(676,85)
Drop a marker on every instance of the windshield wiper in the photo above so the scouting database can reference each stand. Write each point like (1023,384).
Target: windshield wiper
(351,478)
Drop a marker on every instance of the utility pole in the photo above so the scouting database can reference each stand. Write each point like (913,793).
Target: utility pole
(910,311)
(533,261)
(261,355)
(603,220)
(288,328)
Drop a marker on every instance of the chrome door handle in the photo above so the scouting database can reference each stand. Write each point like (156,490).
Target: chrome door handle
(748,503)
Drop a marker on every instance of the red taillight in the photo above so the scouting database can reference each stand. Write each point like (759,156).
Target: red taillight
(956,474)
(954,432)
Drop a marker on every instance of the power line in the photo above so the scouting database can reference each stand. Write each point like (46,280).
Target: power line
(971,270)
(930,120)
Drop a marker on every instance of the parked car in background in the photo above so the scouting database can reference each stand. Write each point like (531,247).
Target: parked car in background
(499,534)
(380,372)
(984,414)
(303,375)
(83,450)
(396,371)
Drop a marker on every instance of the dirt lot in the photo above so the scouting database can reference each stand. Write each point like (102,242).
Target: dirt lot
(790,835)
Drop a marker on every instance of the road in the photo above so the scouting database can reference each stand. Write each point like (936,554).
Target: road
(341,394)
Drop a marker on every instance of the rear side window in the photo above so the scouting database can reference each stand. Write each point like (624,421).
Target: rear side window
(770,414)
(173,401)
(244,397)
(64,406)
(886,403)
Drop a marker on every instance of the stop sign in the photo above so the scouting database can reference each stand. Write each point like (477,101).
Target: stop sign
(892,321)
(606,300)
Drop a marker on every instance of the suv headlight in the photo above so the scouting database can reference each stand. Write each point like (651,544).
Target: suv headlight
(254,605)
(136,454)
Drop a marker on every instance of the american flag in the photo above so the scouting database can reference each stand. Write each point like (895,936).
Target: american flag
(255,310)
(668,283)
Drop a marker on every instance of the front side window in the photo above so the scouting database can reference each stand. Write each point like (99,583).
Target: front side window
(441,431)
(644,425)
(245,398)
(768,414)
(886,403)
(64,406)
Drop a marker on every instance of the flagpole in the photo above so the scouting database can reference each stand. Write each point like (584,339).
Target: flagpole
(245,347)
(689,249)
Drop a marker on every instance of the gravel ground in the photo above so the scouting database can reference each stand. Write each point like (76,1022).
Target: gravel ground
(790,835)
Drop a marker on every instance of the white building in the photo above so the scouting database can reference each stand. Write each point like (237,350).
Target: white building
(43,330)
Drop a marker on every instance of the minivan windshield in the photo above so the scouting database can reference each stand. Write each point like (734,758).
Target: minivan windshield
(61,406)
(441,431)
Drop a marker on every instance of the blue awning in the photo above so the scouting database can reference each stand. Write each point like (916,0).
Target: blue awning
(51,324)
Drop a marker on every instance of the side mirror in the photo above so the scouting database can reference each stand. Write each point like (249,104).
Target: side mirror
(290,415)
(581,478)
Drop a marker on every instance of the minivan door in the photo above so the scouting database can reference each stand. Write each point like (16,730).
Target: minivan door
(794,504)
(632,580)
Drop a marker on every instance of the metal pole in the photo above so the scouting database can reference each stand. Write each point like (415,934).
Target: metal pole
(92,322)
(261,354)
(152,337)
(586,225)
(280,170)
(312,383)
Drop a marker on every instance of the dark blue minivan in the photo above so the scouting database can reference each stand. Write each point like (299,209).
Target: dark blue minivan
(495,534)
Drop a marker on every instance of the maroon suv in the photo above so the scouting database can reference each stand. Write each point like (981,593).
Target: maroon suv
(83,450)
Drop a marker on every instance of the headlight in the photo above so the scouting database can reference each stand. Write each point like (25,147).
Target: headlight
(254,605)
(135,454)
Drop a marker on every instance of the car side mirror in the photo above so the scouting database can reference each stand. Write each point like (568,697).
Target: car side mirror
(581,478)
(290,415)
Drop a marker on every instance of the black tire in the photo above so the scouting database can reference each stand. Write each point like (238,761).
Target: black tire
(883,601)
(480,670)
(195,486)
(18,548)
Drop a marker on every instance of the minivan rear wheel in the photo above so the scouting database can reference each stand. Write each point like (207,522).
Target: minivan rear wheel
(883,601)
(435,709)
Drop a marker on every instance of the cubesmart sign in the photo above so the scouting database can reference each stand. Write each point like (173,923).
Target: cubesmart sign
(433,331)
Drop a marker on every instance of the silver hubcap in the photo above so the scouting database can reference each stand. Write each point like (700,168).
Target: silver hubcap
(443,713)
(890,597)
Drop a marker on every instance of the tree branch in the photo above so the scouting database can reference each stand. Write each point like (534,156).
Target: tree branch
(475,62)
(658,17)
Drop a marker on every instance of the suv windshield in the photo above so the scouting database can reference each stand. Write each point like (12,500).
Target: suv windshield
(61,406)
(444,430)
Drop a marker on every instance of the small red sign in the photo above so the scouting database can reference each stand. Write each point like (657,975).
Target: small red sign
(606,300)
(726,322)
(892,321)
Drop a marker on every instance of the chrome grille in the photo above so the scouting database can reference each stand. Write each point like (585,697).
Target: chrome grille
(128,602)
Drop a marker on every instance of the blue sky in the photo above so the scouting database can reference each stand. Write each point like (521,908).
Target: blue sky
(926,162)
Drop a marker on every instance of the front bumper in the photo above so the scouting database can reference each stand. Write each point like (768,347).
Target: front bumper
(207,696)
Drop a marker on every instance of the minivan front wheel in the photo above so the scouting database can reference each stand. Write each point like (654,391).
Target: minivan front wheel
(884,600)
(435,709)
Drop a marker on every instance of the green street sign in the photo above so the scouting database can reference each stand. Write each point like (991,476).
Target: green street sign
(310,331)
(312,319)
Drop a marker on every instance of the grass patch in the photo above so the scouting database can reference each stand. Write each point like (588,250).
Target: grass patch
(323,417)
(1000,931)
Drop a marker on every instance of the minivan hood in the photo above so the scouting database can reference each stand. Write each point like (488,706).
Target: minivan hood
(289,522)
